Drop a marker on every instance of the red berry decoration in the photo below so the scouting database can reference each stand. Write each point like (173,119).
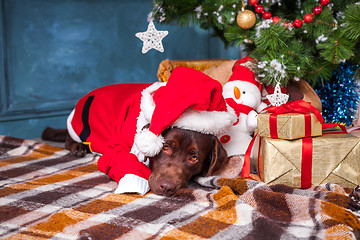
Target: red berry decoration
(276,19)
(259,9)
(308,18)
(324,2)
(317,10)
(266,15)
(253,2)
(297,23)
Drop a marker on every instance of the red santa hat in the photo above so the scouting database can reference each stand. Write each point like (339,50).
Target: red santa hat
(190,100)
(244,75)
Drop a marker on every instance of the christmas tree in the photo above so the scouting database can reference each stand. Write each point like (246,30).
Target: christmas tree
(290,39)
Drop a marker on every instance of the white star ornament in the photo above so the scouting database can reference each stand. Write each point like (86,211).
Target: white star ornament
(277,98)
(152,38)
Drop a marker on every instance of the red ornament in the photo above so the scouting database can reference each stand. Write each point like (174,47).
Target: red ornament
(317,10)
(324,2)
(266,15)
(276,19)
(259,9)
(308,18)
(253,2)
(297,23)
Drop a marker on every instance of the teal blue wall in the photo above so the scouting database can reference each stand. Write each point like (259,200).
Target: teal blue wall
(52,52)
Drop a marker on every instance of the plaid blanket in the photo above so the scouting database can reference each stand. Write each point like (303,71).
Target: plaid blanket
(45,192)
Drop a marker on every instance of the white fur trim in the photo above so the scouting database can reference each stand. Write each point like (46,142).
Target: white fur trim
(147,107)
(214,122)
(141,122)
(70,129)
(148,143)
(132,183)
(147,104)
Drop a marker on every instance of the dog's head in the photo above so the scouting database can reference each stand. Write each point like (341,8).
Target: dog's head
(184,154)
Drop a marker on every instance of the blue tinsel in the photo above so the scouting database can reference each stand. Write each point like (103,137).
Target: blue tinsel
(340,95)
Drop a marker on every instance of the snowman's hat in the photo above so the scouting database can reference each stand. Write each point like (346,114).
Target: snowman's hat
(244,76)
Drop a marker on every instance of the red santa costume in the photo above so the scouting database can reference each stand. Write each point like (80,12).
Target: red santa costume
(111,120)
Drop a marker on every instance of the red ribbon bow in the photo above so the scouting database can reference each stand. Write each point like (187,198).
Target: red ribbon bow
(300,106)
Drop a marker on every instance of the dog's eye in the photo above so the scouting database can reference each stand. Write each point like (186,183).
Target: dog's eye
(166,147)
(194,158)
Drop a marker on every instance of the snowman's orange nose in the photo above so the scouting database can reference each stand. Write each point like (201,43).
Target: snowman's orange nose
(237,93)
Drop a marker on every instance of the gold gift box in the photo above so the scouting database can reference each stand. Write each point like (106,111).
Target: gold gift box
(335,159)
(289,125)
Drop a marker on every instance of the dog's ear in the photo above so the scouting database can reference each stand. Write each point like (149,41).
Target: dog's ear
(218,157)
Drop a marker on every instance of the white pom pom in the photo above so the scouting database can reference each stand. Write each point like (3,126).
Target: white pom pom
(148,143)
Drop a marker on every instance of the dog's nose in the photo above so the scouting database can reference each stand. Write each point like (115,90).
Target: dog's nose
(166,188)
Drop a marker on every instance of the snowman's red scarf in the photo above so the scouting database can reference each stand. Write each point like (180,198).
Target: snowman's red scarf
(239,108)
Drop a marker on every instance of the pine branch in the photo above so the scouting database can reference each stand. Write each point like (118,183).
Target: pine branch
(352,19)
(336,49)
(319,71)
(273,38)
(235,35)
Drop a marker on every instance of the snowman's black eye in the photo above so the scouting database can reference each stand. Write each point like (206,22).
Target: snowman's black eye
(243,92)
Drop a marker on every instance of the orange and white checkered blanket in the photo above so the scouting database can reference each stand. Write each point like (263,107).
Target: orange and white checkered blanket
(45,192)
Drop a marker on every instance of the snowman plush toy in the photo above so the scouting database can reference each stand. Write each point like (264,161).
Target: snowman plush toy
(242,93)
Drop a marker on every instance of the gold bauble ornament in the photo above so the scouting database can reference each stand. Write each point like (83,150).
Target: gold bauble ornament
(246,19)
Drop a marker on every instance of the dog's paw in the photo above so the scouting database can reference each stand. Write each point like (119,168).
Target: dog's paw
(78,149)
